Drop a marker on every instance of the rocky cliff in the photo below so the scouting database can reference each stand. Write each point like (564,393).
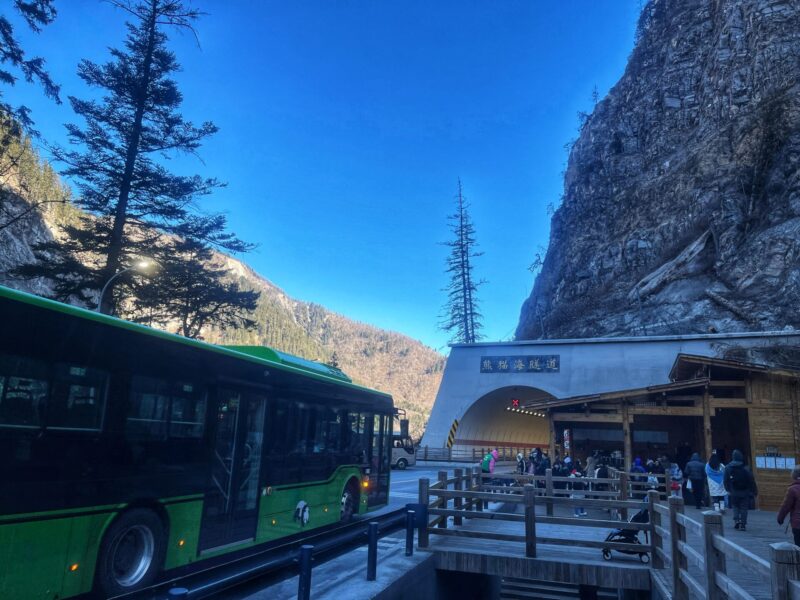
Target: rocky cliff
(681,203)
(377,358)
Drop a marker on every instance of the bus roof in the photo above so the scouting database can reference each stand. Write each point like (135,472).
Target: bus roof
(257,354)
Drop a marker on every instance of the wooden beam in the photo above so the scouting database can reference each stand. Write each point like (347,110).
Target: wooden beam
(707,424)
(668,411)
(626,435)
(591,418)
(726,383)
(728,403)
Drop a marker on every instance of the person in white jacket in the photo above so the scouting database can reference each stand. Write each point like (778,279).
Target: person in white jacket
(715,476)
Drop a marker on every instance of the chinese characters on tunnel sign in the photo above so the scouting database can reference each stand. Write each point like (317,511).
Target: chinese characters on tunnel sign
(548,363)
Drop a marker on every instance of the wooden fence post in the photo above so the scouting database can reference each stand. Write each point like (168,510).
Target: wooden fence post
(457,501)
(680,591)
(714,559)
(623,493)
(548,486)
(476,486)
(656,541)
(425,455)
(424,500)
(530,520)
(784,565)
(443,501)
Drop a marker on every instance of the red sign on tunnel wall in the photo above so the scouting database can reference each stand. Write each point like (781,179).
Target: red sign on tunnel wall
(515,402)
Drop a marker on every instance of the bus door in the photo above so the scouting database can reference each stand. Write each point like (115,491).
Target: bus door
(380,461)
(230,509)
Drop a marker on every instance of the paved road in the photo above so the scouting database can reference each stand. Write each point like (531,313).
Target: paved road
(404,485)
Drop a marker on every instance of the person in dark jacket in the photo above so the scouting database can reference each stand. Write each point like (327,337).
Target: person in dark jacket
(695,471)
(741,487)
(791,506)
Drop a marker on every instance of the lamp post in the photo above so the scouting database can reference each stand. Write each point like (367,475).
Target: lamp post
(142,266)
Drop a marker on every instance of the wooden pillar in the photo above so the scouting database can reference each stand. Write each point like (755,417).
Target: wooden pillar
(457,502)
(677,533)
(707,424)
(656,541)
(626,436)
(424,499)
(530,520)
(443,501)
(623,493)
(714,559)
(476,479)
(548,487)
(784,565)
(552,436)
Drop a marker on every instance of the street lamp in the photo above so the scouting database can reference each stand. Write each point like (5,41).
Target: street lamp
(142,266)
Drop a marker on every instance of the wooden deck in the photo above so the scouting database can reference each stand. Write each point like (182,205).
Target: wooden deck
(535,535)
(568,564)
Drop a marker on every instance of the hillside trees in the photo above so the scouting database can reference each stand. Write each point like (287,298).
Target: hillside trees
(135,207)
(462,318)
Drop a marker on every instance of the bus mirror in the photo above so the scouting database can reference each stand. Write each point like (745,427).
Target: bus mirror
(403,428)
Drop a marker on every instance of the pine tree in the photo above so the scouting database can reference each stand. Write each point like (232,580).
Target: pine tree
(37,14)
(191,288)
(134,206)
(462,314)
(16,124)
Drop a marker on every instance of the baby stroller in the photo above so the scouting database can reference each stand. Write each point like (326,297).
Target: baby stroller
(629,536)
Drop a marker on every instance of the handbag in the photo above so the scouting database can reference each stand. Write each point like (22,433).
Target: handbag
(689,484)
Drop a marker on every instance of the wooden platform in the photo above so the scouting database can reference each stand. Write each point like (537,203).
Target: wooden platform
(569,564)
(574,564)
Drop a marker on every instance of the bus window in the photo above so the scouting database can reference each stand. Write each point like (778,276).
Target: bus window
(23,391)
(147,414)
(188,411)
(78,398)
(161,409)
(328,434)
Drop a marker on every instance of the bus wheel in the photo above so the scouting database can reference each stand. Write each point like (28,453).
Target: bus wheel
(132,552)
(349,501)
(402,463)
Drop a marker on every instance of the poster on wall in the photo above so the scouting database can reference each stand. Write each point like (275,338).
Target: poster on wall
(780,462)
(790,462)
(566,440)
(761,462)
(770,462)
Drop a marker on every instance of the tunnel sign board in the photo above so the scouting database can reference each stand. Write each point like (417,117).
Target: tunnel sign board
(548,363)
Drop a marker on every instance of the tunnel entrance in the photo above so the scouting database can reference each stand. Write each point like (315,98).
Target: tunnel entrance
(499,419)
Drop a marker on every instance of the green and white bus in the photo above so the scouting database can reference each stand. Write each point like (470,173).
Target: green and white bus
(127,452)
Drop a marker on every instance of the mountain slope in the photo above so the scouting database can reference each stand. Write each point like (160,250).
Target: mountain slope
(681,206)
(380,359)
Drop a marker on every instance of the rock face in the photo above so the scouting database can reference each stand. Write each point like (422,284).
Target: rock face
(681,205)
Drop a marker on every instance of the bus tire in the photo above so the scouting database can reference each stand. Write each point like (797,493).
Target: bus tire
(131,554)
(402,463)
(349,501)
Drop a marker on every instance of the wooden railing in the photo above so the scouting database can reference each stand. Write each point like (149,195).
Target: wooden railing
(464,495)
(670,547)
(692,558)
(472,455)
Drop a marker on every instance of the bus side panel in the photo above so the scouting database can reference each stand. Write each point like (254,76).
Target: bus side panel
(43,546)
(280,512)
(184,533)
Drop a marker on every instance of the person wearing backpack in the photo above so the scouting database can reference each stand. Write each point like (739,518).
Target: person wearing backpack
(741,487)
(791,506)
(489,461)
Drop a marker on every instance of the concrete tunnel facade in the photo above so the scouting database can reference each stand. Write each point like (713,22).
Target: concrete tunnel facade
(475,402)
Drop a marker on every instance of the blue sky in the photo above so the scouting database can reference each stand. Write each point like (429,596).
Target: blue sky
(344,126)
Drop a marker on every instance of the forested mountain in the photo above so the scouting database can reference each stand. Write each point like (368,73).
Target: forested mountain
(681,205)
(381,359)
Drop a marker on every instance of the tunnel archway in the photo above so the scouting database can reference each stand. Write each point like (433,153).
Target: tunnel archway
(495,420)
